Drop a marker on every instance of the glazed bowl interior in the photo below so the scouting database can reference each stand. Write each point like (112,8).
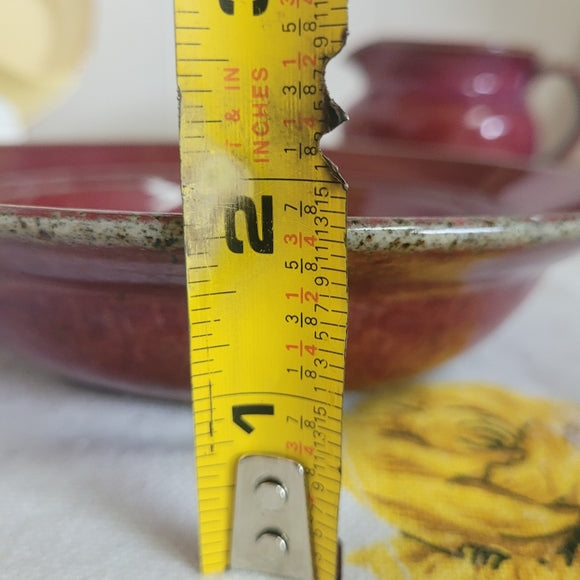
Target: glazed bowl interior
(107,178)
(390,183)
(385,183)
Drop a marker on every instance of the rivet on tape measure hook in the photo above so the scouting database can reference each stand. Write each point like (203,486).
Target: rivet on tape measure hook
(265,238)
(270,527)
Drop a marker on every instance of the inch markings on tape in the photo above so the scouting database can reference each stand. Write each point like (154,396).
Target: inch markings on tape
(265,237)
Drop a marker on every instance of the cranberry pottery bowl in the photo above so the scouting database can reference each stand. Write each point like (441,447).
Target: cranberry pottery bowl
(92,274)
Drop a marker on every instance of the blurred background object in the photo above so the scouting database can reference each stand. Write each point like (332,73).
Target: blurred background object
(551,30)
(128,89)
(42,46)
(459,99)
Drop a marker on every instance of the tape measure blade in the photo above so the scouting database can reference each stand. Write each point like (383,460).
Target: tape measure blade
(265,228)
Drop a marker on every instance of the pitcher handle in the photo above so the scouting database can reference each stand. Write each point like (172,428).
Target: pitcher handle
(572,135)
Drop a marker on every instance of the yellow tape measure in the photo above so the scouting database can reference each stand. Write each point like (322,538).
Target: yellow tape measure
(265,230)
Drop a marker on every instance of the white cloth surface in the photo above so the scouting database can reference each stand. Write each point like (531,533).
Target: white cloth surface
(95,485)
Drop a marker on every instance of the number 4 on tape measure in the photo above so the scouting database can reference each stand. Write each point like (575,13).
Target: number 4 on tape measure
(265,231)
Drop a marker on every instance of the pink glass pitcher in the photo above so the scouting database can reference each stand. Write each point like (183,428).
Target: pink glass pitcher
(470,99)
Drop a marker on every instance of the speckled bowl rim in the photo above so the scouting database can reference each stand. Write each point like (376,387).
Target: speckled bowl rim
(164,231)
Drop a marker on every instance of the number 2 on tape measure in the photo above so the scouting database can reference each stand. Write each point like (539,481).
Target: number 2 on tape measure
(265,230)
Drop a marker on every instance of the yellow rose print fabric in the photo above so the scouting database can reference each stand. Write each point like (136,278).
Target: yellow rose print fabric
(480,482)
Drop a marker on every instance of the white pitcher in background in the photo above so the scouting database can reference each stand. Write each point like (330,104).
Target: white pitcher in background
(42,45)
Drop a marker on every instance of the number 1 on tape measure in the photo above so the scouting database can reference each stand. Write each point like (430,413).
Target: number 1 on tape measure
(265,231)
